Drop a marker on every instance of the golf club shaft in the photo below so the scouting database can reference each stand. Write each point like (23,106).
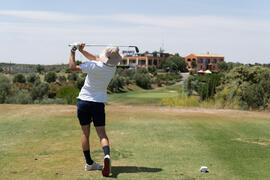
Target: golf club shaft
(105,45)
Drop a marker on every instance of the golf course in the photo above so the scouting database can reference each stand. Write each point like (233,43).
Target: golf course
(148,141)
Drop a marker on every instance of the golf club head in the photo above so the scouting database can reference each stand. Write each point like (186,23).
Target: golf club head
(136,48)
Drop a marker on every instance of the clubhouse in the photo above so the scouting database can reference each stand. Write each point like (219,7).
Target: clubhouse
(144,60)
(203,61)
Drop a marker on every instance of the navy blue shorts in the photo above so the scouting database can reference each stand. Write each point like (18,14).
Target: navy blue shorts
(88,111)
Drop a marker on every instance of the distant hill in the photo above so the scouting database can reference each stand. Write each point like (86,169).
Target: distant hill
(13,68)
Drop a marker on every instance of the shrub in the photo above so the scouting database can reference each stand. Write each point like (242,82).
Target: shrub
(20,97)
(40,69)
(204,86)
(116,83)
(39,90)
(143,80)
(50,77)
(83,75)
(126,73)
(62,79)
(245,87)
(152,70)
(32,78)
(4,88)
(67,70)
(167,79)
(69,93)
(20,78)
(47,100)
(142,71)
(73,76)
(175,63)
(80,83)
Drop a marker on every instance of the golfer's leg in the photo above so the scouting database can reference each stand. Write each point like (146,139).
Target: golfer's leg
(85,143)
(85,137)
(104,141)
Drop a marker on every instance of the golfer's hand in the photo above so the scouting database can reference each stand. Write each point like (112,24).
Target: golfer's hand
(82,45)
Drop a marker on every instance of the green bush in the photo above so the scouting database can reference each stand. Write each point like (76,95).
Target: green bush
(126,73)
(20,97)
(80,83)
(4,88)
(143,80)
(152,70)
(32,78)
(47,100)
(142,71)
(73,76)
(245,87)
(167,79)
(83,75)
(40,69)
(62,78)
(204,86)
(175,63)
(39,90)
(69,93)
(20,78)
(68,71)
(116,84)
(50,77)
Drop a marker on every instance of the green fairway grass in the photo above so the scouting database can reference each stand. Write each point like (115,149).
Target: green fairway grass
(147,142)
(145,97)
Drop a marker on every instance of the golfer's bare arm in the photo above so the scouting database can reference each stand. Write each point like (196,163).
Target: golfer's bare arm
(72,64)
(88,55)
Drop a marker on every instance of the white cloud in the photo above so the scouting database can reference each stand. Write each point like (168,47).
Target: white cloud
(41,15)
(139,19)
(236,38)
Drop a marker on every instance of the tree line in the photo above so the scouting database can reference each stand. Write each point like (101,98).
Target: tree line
(62,87)
(241,87)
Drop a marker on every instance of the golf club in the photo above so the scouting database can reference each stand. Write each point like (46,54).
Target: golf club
(103,45)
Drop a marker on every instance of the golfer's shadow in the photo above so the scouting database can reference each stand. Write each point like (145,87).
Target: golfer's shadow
(132,169)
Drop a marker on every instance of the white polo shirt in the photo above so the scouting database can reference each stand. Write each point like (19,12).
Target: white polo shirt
(96,82)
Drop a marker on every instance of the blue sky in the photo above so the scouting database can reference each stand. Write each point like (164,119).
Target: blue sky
(38,31)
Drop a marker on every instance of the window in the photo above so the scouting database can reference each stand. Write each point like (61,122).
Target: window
(142,62)
(132,61)
(200,60)
(220,60)
(150,62)
(189,60)
(214,61)
(204,61)
(155,62)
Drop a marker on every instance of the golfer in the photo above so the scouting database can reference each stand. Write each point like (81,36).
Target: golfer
(90,105)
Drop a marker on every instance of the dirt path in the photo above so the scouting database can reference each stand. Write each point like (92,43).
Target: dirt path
(185,76)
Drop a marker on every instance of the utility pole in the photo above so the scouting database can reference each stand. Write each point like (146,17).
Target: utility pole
(10,67)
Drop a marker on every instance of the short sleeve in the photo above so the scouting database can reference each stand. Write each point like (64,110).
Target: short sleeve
(87,67)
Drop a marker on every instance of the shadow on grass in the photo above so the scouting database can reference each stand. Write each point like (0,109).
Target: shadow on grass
(132,169)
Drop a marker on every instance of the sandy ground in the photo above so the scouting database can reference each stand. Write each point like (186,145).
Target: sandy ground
(115,107)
